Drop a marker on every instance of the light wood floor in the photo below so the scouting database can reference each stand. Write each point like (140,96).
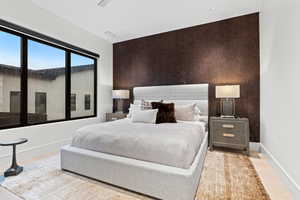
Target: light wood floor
(271,181)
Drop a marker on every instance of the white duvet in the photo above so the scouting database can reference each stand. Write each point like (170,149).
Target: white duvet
(173,144)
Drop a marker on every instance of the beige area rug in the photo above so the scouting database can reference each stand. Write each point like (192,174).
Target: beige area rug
(226,176)
(230,176)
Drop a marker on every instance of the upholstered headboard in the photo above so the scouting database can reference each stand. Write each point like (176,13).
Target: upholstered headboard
(180,94)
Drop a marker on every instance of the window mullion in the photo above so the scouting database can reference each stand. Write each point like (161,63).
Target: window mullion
(24,81)
(68,85)
(95,87)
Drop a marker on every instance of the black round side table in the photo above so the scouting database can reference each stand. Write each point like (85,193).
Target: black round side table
(15,169)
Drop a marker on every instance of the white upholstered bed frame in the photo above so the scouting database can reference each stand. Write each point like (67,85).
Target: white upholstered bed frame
(160,181)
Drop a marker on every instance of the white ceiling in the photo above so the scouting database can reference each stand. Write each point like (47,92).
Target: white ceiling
(129,19)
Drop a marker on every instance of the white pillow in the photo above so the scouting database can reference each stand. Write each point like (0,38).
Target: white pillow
(134,107)
(197,111)
(201,118)
(185,112)
(145,116)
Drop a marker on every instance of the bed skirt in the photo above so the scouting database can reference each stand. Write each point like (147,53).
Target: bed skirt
(159,181)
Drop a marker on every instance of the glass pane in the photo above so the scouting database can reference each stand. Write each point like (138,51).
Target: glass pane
(46,83)
(82,84)
(10,79)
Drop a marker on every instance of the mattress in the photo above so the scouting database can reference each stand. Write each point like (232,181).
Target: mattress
(172,144)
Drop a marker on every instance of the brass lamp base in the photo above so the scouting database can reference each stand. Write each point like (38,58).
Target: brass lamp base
(227,108)
(120,103)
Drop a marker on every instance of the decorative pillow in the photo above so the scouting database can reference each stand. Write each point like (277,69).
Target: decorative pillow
(185,112)
(166,112)
(147,104)
(177,103)
(145,116)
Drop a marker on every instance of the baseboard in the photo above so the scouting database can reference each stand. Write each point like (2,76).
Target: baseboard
(255,146)
(287,179)
(36,151)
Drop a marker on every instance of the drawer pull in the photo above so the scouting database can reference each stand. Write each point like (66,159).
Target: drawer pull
(228,135)
(228,126)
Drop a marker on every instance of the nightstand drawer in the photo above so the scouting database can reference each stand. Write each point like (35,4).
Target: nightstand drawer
(229,136)
(229,126)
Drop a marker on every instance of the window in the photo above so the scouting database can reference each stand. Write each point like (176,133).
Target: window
(82,82)
(87,102)
(40,103)
(73,102)
(42,81)
(10,79)
(15,106)
(46,75)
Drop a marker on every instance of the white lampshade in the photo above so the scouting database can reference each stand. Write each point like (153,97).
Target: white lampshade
(228,91)
(120,94)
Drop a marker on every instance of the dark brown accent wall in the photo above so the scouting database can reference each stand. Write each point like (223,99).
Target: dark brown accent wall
(223,52)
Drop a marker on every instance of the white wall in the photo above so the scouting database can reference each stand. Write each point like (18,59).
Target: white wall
(48,137)
(280,81)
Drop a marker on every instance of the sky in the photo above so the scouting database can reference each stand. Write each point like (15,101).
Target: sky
(40,56)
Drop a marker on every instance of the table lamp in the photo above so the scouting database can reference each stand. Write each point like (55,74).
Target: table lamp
(120,95)
(227,94)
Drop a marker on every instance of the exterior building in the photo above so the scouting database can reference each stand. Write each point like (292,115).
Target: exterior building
(46,93)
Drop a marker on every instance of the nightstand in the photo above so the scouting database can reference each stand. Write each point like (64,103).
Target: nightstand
(115,116)
(229,132)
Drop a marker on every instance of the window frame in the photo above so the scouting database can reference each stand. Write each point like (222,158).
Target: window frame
(24,75)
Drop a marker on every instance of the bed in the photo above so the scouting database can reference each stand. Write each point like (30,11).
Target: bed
(160,160)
